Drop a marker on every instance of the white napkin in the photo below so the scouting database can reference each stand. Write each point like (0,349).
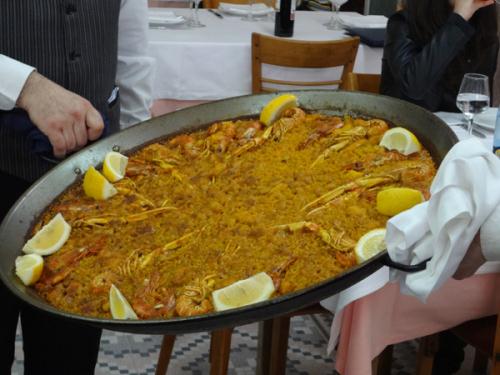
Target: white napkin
(166,16)
(246,7)
(372,22)
(465,191)
(257,9)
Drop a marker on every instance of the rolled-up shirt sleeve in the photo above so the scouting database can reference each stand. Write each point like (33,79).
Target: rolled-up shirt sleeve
(490,236)
(13,76)
(135,67)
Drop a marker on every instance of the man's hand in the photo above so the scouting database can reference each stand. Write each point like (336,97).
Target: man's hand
(473,259)
(68,120)
(467,8)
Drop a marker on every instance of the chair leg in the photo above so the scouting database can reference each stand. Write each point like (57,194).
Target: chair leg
(279,345)
(220,346)
(165,353)
(495,369)
(480,364)
(381,365)
(425,357)
(264,347)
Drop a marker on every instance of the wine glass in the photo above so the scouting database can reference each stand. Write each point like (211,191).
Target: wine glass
(195,21)
(473,97)
(190,18)
(334,23)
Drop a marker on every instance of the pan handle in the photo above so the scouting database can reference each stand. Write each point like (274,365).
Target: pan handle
(387,261)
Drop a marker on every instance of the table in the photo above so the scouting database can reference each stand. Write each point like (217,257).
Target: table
(373,314)
(387,317)
(214,62)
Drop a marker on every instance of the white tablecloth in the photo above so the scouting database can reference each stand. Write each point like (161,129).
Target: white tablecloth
(214,62)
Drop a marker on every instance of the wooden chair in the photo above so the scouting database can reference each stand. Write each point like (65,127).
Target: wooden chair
(482,334)
(300,54)
(220,346)
(362,82)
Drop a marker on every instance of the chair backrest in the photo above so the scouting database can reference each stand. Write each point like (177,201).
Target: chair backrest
(362,82)
(215,3)
(300,54)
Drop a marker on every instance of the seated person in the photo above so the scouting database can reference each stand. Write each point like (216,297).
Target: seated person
(431,44)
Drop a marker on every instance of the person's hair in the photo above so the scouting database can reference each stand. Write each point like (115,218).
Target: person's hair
(426,17)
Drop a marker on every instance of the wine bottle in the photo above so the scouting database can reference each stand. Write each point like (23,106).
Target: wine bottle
(285,16)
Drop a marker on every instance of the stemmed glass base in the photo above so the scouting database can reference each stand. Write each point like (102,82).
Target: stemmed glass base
(334,23)
(469,122)
(194,21)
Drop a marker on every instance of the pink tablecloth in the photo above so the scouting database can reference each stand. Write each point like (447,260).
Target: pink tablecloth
(387,317)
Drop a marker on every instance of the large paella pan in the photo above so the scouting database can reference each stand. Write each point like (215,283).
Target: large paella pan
(434,135)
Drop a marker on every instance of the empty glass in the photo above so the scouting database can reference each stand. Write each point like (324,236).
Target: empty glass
(334,23)
(473,97)
(195,21)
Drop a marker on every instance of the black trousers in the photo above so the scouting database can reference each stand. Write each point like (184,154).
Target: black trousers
(51,345)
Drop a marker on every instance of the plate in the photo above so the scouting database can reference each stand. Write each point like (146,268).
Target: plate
(242,10)
(487,119)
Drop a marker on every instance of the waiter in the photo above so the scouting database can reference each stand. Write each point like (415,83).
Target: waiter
(64,65)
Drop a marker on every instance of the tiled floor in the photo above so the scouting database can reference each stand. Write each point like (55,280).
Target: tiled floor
(127,354)
(124,354)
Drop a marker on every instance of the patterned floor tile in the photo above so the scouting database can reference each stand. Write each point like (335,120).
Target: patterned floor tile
(127,354)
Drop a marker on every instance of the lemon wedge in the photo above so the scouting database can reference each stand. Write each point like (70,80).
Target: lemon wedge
(275,108)
(50,238)
(257,288)
(392,201)
(29,268)
(96,186)
(120,308)
(114,166)
(370,244)
(401,140)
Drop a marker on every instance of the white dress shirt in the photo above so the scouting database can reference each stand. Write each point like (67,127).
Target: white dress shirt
(134,75)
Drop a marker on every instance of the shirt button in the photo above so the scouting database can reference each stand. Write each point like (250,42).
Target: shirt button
(70,9)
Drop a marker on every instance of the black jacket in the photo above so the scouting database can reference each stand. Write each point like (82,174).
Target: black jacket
(415,73)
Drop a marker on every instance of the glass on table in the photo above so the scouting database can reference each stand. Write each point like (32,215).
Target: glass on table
(334,23)
(473,97)
(194,21)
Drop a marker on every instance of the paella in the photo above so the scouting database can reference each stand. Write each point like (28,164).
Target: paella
(285,197)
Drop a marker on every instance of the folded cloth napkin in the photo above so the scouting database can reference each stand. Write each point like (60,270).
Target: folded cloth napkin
(258,8)
(164,17)
(19,121)
(464,193)
(370,37)
(364,22)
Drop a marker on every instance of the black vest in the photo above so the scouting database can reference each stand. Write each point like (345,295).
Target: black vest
(72,42)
